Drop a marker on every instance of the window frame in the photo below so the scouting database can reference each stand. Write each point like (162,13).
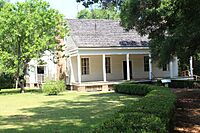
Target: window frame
(85,67)
(165,67)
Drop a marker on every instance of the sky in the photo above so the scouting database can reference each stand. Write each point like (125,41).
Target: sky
(67,7)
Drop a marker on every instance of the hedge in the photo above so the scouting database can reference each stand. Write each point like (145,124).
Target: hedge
(183,83)
(133,89)
(151,113)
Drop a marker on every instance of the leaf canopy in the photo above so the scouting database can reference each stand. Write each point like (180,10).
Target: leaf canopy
(27,29)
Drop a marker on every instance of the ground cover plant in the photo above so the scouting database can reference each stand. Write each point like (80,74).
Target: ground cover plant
(53,87)
(151,113)
(69,111)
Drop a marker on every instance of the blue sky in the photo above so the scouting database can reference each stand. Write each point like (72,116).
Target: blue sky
(67,7)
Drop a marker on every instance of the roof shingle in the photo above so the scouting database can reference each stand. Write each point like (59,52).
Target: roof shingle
(103,33)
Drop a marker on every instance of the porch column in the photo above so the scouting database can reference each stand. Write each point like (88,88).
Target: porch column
(191,66)
(128,66)
(79,68)
(150,67)
(36,74)
(104,67)
(175,66)
(171,69)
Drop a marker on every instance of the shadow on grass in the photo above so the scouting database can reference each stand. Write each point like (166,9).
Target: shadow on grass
(62,116)
(17,91)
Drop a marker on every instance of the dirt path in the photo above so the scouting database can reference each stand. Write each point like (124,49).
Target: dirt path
(187,115)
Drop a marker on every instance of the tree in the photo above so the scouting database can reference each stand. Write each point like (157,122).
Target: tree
(103,3)
(98,14)
(27,29)
(172,26)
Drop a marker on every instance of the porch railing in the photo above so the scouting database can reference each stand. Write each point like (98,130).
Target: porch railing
(41,78)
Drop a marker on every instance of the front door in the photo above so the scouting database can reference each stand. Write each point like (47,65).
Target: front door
(125,69)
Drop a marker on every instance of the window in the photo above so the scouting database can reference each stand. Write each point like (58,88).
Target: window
(146,63)
(108,67)
(165,67)
(40,69)
(85,66)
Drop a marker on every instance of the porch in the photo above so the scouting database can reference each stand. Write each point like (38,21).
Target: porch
(90,72)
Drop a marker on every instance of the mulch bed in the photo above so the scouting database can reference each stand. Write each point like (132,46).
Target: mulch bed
(187,115)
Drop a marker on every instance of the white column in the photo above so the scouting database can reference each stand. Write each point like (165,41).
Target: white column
(150,67)
(171,69)
(79,68)
(128,66)
(175,67)
(191,66)
(104,67)
(36,74)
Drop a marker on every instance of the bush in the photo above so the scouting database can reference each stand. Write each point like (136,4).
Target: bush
(183,83)
(134,89)
(132,122)
(6,81)
(151,113)
(53,87)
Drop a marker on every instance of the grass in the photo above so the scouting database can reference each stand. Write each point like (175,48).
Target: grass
(33,112)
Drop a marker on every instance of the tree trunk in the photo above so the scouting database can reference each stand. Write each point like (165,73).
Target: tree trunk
(18,63)
(23,81)
(17,82)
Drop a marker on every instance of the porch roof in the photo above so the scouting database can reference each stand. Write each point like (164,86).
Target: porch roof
(103,34)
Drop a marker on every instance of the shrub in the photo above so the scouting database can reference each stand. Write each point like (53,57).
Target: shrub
(134,89)
(53,87)
(6,81)
(183,83)
(133,122)
(151,113)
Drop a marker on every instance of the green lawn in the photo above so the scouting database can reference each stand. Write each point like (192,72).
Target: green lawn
(67,112)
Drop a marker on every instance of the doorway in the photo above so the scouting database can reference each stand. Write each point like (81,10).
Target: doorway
(125,69)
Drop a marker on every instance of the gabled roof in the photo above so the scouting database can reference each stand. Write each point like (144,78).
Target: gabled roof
(90,33)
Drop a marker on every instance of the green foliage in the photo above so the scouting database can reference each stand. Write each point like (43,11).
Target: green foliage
(133,89)
(183,83)
(150,114)
(98,14)
(6,81)
(197,64)
(27,29)
(172,26)
(53,87)
(104,4)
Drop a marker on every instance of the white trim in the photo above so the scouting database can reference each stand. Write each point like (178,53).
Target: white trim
(71,50)
(79,68)
(191,66)
(113,52)
(127,67)
(171,69)
(113,48)
(150,67)
(88,66)
(104,67)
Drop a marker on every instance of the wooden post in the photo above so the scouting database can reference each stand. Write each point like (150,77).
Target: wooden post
(191,66)
(79,68)
(150,67)
(104,67)
(128,66)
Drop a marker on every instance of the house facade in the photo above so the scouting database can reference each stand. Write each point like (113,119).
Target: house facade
(101,53)
(48,67)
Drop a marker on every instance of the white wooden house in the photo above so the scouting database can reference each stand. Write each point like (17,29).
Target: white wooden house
(101,53)
(38,73)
